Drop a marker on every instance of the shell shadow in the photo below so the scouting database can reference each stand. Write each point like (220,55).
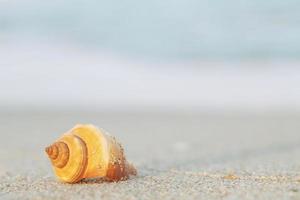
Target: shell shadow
(98,180)
(142,173)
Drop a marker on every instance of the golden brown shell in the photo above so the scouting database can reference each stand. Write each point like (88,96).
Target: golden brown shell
(86,152)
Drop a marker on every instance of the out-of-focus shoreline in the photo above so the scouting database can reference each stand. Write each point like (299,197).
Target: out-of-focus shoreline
(49,75)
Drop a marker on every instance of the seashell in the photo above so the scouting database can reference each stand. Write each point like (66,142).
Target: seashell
(88,152)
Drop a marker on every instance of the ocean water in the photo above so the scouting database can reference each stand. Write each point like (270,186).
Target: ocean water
(173,29)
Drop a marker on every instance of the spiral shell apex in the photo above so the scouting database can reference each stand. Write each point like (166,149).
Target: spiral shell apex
(87,152)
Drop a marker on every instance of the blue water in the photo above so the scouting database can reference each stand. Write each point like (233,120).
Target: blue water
(184,29)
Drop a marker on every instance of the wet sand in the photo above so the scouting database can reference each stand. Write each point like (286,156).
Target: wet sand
(178,155)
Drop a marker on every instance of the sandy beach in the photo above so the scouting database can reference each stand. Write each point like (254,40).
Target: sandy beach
(179,155)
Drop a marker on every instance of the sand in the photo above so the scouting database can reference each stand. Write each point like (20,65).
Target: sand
(178,155)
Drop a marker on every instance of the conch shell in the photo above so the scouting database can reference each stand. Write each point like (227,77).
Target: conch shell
(87,152)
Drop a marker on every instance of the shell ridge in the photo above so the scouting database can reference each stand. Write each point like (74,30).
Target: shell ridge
(85,159)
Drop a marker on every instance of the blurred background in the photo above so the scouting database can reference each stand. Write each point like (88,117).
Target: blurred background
(182,55)
(193,85)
